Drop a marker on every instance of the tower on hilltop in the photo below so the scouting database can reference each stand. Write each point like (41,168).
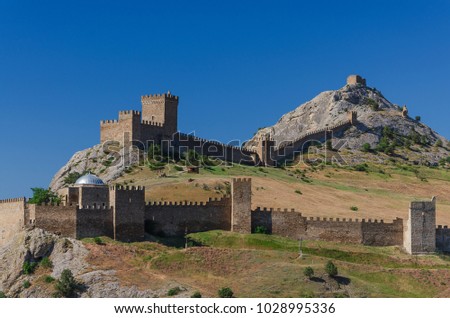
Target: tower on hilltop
(161,109)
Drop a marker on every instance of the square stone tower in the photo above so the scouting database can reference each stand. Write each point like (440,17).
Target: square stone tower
(128,216)
(241,205)
(420,231)
(161,109)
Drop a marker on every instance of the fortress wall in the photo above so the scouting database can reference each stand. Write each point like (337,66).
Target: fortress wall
(90,195)
(113,130)
(56,219)
(128,214)
(151,132)
(174,218)
(12,218)
(378,233)
(280,222)
(345,231)
(94,221)
(289,150)
(182,142)
(443,238)
(420,228)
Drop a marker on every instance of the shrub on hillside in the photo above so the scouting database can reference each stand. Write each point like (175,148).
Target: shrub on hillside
(308,272)
(366,147)
(26,284)
(225,292)
(174,291)
(331,269)
(28,267)
(46,263)
(66,285)
(196,295)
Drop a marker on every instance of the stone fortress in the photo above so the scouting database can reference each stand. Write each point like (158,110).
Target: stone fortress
(91,208)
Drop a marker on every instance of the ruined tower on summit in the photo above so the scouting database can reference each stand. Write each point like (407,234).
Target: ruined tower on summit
(356,79)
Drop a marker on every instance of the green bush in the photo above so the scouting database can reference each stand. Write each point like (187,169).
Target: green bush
(196,295)
(174,291)
(41,196)
(49,279)
(225,292)
(308,272)
(328,145)
(2,294)
(331,269)
(354,208)
(98,241)
(366,147)
(373,104)
(178,168)
(261,229)
(361,167)
(45,263)
(26,284)
(417,118)
(28,267)
(438,143)
(66,285)
(298,192)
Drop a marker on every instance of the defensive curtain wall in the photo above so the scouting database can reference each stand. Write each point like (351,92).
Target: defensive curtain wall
(158,123)
(127,217)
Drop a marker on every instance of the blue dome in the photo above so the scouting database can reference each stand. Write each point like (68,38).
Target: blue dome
(89,179)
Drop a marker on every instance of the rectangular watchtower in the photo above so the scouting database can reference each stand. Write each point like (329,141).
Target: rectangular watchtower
(241,205)
(420,231)
(128,216)
(161,109)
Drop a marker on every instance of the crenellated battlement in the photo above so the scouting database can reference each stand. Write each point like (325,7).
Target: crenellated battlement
(242,180)
(22,199)
(108,122)
(186,137)
(187,203)
(92,207)
(130,112)
(264,209)
(167,95)
(126,188)
(152,123)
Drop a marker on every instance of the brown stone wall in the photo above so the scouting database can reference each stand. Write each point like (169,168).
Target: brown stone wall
(163,109)
(128,215)
(378,233)
(94,221)
(443,238)
(93,195)
(175,218)
(280,222)
(241,201)
(56,219)
(12,218)
(339,230)
(420,228)
(129,121)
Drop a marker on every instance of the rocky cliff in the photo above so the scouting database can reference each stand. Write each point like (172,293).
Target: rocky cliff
(374,113)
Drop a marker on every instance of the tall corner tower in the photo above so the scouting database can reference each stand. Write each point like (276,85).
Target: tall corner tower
(161,109)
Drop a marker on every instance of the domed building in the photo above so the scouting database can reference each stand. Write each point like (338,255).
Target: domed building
(87,190)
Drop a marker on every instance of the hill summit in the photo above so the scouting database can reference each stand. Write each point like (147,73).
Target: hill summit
(380,124)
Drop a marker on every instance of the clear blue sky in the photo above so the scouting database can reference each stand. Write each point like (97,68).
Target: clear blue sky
(66,65)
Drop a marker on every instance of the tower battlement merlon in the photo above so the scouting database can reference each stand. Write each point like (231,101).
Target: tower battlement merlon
(167,95)
(163,109)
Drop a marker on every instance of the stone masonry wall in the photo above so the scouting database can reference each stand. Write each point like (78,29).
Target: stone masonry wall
(293,225)
(12,218)
(443,238)
(420,229)
(241,201)
(128,216)
(175,218)
(94,221)
(57,219)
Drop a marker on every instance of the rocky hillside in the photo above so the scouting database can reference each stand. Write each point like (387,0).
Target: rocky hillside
(380,125)
(64,253)
(375,113)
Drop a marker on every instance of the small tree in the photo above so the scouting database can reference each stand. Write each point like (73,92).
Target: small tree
(366,147)
(72,177)
(41,195)
(67,284)
(196,295)
(438,143)
(308,272)
(225,292)
(328,145)
(28,267)
(331,269)
(417,118)
(45,263)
